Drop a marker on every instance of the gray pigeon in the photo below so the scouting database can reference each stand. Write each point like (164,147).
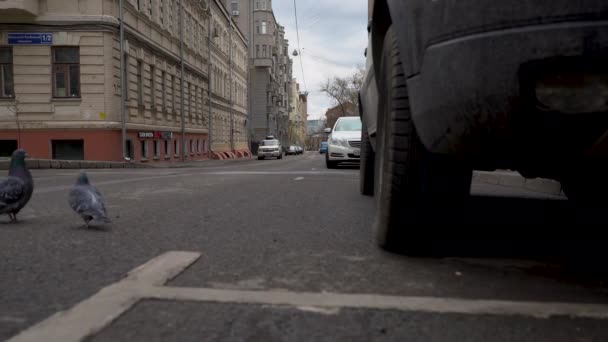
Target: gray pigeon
(17,189)
(87,201)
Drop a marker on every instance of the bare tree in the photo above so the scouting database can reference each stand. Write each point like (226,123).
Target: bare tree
(345,94)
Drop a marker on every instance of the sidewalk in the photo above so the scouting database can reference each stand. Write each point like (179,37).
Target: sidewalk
(513,179)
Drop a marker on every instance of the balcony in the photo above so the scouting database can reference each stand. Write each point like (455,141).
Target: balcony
(262,62)
(19,7)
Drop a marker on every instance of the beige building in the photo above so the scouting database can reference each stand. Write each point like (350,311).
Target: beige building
(297,115)
(60,80)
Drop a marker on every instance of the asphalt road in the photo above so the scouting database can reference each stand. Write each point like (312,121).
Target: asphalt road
(289,225)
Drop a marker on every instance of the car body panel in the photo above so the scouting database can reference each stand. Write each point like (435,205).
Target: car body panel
(464,61)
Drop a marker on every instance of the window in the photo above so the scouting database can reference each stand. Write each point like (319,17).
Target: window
(66,72)
(263,26)
(173,93)
(161,12)
(6,72)
(163,92)
(156,149)
(149,5)
(257,4)
(264,51)
(257,51)
(7,147)
(176,147)
(144,149)
(198,146)
(170,17)
(193,100)
(189,90)
(235,5)
(140,90)
(129,149)
(167,151)
(263,4)
(67,149)
(153,85)
(191,146)
(257,27)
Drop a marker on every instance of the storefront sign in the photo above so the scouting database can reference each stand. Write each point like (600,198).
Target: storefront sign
(155,135)
(30,38)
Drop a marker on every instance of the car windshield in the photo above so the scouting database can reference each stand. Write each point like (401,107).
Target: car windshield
(349,124)
(269,143)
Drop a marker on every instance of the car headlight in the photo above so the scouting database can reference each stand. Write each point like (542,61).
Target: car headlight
(339,142)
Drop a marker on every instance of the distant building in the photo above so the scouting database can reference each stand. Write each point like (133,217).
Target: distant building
(270,69)
(346,109)
(315,126)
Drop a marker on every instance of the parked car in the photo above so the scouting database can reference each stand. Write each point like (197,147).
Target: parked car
(344,141)
(291,150)
(270,148)
(453,86)
(323,148)
(300,149)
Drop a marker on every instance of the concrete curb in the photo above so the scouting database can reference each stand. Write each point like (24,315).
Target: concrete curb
(515,180)
(73,164)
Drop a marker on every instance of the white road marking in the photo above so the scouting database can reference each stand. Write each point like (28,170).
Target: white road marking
(99,310)
(384,302)
(298,178)
(146,282)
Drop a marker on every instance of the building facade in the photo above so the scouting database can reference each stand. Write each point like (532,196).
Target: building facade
(62,76)
(270,69)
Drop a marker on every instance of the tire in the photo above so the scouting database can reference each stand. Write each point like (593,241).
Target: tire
(412,186)
(280,156)
(366,168)
(329,163)
(260,158)
(587,185)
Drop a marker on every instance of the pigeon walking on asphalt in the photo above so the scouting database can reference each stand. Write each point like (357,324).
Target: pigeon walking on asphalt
(87,202)
(16,190)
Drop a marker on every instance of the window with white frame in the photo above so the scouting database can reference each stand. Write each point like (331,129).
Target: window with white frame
(264,28)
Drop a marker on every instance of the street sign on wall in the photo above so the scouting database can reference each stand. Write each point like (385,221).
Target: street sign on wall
(30,38)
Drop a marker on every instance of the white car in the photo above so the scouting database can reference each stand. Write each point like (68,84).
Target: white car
(344,141)
(270,148)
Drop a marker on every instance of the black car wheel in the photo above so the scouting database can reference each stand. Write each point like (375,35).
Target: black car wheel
(413,187)
(366,168)
(329,163)
(587,184)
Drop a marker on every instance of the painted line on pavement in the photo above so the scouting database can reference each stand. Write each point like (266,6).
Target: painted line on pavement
(384,302)
(94,313)
(146,282)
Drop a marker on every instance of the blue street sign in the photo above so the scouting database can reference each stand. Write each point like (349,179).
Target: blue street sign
(30,38)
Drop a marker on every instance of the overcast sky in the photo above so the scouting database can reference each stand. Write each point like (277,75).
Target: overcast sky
(332,40)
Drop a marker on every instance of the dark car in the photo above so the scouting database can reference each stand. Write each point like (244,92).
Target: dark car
(323,148)
(456,86)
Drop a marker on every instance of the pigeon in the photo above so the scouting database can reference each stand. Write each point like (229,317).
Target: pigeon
(87,201)
(17,189)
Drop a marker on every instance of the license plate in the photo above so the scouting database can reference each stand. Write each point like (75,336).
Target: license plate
(357,153)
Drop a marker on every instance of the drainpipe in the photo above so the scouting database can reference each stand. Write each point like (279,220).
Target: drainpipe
(209,35)
(123,115)
(230,66)
(181,82)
